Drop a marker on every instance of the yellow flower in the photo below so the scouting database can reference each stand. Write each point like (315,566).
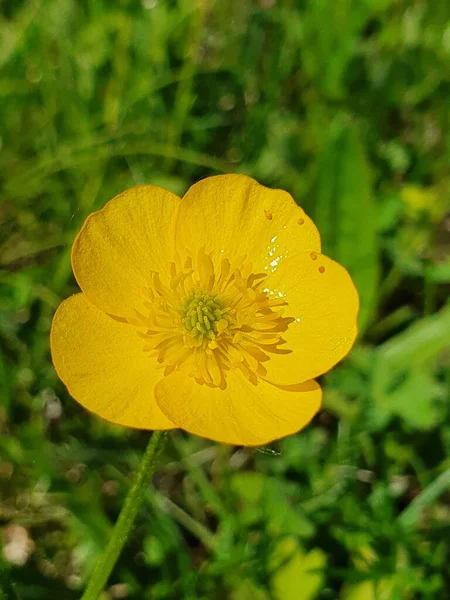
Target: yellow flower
(211,313)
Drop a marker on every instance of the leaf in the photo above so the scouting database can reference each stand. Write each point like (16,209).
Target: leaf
(439,273)
(346,213)
(403,381)
(247,590)
(297,575)
(331,32)
(410,517)
(264,498)
(382,589)
(414,400)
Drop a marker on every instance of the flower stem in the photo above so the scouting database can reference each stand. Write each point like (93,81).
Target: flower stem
(126,518)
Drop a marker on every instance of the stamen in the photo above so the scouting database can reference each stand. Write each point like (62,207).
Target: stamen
(211,317)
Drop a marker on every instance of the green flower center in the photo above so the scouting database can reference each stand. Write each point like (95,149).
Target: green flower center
(205,316)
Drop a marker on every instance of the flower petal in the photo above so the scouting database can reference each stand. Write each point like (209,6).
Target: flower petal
(242,413)
(236,214)
(322,298)
(103,365)
(121,244)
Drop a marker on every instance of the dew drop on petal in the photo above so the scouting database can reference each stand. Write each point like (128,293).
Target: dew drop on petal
(321,269)
(313,256)
(268,215)
(301,221)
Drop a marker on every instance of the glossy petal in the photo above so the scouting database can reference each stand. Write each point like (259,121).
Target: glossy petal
(241,414)
(236,214)
(121,244)
(103,365)
(322,298)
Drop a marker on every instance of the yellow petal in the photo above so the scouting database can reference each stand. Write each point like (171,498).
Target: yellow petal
(120,245)
(323,301)
(103,365)
(241,414)
(236,214)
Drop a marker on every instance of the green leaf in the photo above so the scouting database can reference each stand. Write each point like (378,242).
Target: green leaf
(439,273)
(414,400)
(247,590)
(263,497)
(346,213)
(297,575)
(403,382)
(410,517)
(382,589)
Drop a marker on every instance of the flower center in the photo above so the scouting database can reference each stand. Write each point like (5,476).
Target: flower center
(205,316)
(213,315)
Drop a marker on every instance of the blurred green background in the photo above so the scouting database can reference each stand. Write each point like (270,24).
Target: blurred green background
(344,103)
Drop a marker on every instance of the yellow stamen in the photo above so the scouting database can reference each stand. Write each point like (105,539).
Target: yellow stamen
(213,316)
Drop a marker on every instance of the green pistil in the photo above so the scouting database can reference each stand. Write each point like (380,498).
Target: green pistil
(201,314)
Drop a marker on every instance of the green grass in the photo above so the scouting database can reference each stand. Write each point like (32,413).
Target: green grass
(346,105)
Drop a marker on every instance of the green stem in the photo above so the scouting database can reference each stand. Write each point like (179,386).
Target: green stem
(126,518)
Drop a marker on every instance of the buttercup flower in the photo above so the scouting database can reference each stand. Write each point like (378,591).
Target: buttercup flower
(211,313)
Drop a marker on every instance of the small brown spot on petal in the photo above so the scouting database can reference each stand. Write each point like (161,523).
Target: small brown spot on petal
(301,221)
(268,214)
(321,269)
(313,256)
